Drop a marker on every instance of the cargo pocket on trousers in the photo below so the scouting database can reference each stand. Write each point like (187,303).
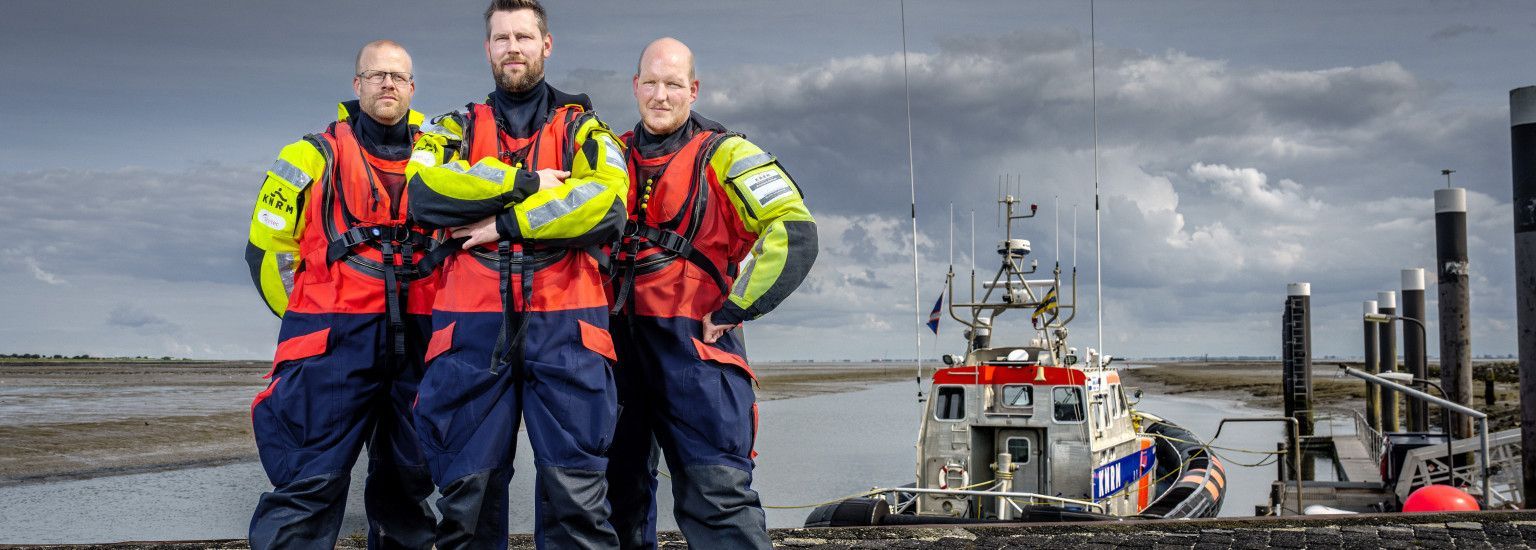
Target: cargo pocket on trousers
(442,340)
(300,347)
(734,433)
(598,340)
(713,354)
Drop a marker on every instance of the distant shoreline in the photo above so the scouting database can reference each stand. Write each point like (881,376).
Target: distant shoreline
(64,424)
(1257,384)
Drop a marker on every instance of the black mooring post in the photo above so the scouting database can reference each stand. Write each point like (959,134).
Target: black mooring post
(1522,142)
(1391,416)
(1372,391)
(1296,355)
(1490,394)
(1413,345)
(1455,303)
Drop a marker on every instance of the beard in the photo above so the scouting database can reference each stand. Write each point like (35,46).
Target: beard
(383,113)
(518,83)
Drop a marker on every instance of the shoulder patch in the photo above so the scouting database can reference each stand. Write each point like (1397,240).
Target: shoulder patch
(766,186)
(271,219)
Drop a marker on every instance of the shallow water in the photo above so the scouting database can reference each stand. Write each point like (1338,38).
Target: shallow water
(32,405)
(811,450)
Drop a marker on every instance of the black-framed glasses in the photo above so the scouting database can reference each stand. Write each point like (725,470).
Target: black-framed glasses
(377,77)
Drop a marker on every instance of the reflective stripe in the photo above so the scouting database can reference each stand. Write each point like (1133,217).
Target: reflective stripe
(612,155)
(435,128)
(290,174)
(487,172)
(541,215)
(746,278)
(285,270)
(436,125)
(741,166)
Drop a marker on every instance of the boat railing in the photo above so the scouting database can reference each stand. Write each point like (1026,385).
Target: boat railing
(1432,465)
(1012,497)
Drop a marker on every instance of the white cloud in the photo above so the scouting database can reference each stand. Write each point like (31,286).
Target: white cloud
(41,275)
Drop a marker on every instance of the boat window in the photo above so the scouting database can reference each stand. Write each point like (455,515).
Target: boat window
(1019,448)
(1068,404)
(949,403)
(1018,396)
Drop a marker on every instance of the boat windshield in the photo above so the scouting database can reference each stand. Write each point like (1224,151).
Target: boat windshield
(950,403)
(1068,401)
(1018,396)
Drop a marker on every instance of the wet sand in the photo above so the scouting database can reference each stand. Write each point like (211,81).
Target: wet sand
(67,419)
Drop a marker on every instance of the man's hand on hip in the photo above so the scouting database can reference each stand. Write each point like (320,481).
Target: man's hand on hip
(712,331)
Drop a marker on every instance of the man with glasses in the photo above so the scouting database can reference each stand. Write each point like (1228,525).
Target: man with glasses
(529,181)
(333,252)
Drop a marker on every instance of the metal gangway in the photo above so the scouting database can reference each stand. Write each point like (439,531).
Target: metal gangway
(1483,457)
(1433,465)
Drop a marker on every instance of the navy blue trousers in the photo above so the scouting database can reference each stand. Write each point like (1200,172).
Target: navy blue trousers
(334,388)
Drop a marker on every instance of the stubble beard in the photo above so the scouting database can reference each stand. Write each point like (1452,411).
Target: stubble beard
(379,112)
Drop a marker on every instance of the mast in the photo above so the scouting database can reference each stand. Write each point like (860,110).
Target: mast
(1098,244)
(917,298)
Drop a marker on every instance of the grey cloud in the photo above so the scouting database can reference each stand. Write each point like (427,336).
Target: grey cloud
(1313,170)
(1460,29)
(137,318)
(174,224)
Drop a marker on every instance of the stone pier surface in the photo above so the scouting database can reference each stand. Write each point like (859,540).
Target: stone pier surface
(1494,529)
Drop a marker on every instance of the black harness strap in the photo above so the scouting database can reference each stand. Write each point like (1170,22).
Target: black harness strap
(390,240)
(680,245)
(504,269)
(666,237)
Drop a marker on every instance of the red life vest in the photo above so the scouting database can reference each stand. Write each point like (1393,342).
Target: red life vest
(360,254)
(566,278)
(683,238)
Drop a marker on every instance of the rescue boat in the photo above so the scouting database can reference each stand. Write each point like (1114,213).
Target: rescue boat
(1023,433)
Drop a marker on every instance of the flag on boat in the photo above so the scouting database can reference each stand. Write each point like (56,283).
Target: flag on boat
(1047,306)
(933,318)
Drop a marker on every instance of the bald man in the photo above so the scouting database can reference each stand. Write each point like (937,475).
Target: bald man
(333,254)
(701,200)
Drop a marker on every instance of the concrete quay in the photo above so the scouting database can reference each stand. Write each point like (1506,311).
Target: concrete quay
(1492,529)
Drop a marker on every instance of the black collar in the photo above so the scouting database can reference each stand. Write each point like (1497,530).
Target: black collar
(521,114)
(386,142)
(651,145)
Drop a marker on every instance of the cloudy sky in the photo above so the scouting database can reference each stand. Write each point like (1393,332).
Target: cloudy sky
(1244,146)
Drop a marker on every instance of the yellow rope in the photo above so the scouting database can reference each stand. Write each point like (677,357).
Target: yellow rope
(861,495)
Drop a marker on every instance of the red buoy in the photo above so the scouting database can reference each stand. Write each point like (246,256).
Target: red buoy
(1439,498)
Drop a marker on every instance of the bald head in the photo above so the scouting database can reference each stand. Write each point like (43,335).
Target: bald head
(668,49)
(379,46)
(665,87)
(383,81)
